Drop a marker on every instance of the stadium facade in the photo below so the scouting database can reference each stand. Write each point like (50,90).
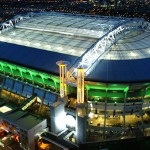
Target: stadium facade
(92,71)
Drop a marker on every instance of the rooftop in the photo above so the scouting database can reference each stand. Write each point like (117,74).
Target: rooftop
(15,115)
(22,119)
(32,121)
(60,32)
(50,37)
(135,45)
(5,109)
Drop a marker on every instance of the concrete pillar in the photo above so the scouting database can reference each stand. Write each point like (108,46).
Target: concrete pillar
(57,117)
(81,123)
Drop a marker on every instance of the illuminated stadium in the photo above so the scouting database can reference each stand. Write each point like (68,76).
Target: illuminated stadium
(92,70)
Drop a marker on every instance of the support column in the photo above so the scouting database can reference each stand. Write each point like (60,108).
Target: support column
(42,102)
(81,116)
(124,111)
(141,113)
(105,114)
(57,117)
(43,81)
(80,85)
(33,90)
(63,75)
(81,123)
(87,100)
(12,86)
(55,83)
(57,111)
(3,82)
(21,91)
(11,71)
(21,73)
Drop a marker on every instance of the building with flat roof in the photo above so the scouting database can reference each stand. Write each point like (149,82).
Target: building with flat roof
(22,125)
(92,71)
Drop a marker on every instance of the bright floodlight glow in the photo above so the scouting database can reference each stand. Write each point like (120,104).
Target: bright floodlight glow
(2,38)
(91,115)
(37,44)
(13,33)
(60,121)
(37,134)
(9,39)
(108,56)
(17,40)
(60,48)
(70,121)
(47,46)
(4,129)
(133,54)
(27,42)
(5,109)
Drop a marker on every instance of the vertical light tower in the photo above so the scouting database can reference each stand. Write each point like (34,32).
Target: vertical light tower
(57,109)
(81,118)
(63,75)
(80,85)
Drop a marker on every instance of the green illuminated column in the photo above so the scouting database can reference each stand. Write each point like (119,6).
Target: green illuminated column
(55,83)
(43,81)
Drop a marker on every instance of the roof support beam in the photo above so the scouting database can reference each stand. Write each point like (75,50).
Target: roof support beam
(93,55)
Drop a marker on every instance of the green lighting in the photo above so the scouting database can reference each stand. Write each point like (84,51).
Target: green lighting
(96,91)
(29,74)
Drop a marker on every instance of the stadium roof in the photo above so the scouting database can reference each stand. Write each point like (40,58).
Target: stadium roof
(42,40)
(32,57)
(58,32)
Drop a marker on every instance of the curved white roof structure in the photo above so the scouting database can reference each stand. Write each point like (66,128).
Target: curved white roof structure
(110,45)
(59,32)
